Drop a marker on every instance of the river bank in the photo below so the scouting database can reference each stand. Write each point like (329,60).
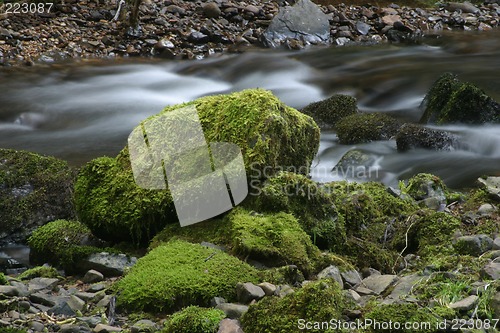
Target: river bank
(194,30)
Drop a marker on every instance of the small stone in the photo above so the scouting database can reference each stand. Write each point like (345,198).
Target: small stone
(268,288)
(466,304)
(102,328)
(247,292)
(233,310)
(104,302)
(76,303)
(484,27)
(364,291)
(253,9)
(85,296)
(378,283)
(37,284)
(352,294)
(332,272)
(174,9)
(496,244)
(491,271)
(351,277)
(42,298)
(284,290)
(144,326)
(391,19)
(229,326)
(217,300)
(92,276)
(362,27)
(473,245)
(37,326)
(486,209)
(96,287)
(198,37)
(211,10)
(63,309)
(8,291)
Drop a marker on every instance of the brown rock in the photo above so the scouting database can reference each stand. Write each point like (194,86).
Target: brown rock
(391,19)
(229,326)
(211,10)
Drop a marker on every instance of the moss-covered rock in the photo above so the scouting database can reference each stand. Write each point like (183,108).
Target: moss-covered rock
(63,243)
(327,112)
(308,202)
(451,101)
(412,136)
(366,127)
(34,190)
(429,190)
(3,279)
(270,134)
(194,319)
(39,271)
(178,274)
(319,301)
(399,315)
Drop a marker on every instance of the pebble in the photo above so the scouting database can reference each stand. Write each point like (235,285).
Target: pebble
(211,10)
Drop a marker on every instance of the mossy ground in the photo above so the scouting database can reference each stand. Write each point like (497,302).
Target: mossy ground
(194,319)
(319,301)
(399,314)
(178,274)
(39,271)
(366,127)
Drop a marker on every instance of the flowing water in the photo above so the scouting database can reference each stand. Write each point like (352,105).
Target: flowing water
(79,111)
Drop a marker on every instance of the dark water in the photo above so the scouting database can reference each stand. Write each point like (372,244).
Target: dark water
(78,111)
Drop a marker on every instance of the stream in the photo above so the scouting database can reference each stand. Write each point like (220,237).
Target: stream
(81,110)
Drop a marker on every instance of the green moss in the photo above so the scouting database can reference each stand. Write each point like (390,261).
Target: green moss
(327,112)
(12,330)
(307,201)
(422,185)
(61,243)
(282,275)
(3,279)
(366,127)
(179,274)
(194,319)
(437,97)
(39,271)
(34,189)
(319,301)
(270,134)
(399,314)
(273,238)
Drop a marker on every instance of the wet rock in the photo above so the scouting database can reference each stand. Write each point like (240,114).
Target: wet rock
(473,245)
(491,271)
(247,292)
(492,186)
(355,164)
(211,10)
(303,21)
(229,326)
(332,272)
(378,283)
(329,111)
(465,304)
(366,127)
(233,310)
(411,136)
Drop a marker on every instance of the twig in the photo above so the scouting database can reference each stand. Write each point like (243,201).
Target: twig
(406,245)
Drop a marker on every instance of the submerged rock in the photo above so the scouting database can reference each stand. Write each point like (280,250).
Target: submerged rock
(304,21)
(34,190)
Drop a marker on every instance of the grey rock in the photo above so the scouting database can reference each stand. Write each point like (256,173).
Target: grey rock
(144,326)
(486,209)
(109,264)
(494,254)
(233,310)
(90,321)
(41,283)
(268,288)
(496,244)
(378,283)
(22,289)
(495,305)
(465,304)
(362,291)
(211,10)
(473,245)
(229,326)
(362,27)
(8,291)
(102,328)
(104,302)
(74,328)
(198,37)
(332,272)
(43,299)
(464,7)
(403,287)
(303,21)
(351,278)
(247,292)
(92,276)
(76,303)
(96,287)
(353,295)
(37,326)
(85,295)
(492,186)
(217,300)
(174,9)
(62,308)
(491,271)
(283,290)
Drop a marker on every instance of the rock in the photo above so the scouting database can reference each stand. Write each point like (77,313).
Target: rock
(43,299)
(451,101)
(92,276)
(8,291)
(76,303)
(270,288)
(491,271)
(102,328)
(104,302)
(465,304)
(86,296)
(144,326)
(233,310)
(37,326)
(353,295)
(42,283)
(211,10)
(495,305)
(253,9)
(332,272)
(362,291)
(428,190)
(229,326)
(465,7)
(303,21)
(362,27)
(351,277)
(216,301)
(327,112)
(109,264)
(403,288)
(74,328)
(174,9)
(492,186)
(62,309)
(34,190)
(366,127)
(496,243)
(96,288)
(411,136)
(473,245)
(284,290)
(274,135)
(391,19)
(355,164)
(378,283)
(487,209)
(198,37)
(247,292)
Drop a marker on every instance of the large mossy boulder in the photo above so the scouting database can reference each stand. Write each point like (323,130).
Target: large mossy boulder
(327,112)
(34,190)
(412,136)
(270,135)
(313,207)
(178,274)
(316,302)
(63,243)
(452,101)
(366,127)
